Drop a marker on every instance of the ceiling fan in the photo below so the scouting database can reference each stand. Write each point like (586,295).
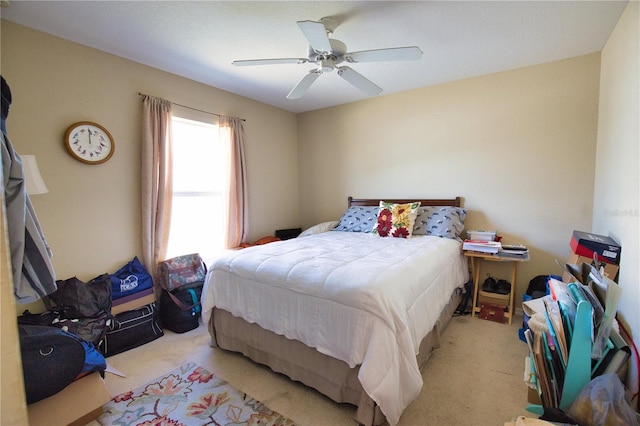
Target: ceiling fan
(327,53)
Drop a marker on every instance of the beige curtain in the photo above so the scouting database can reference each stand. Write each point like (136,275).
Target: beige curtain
(156,180)
(232,131)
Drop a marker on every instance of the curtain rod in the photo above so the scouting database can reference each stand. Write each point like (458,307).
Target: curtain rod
(192,108)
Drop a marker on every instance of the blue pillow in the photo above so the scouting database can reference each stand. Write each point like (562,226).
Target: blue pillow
(358,219)
(447,221)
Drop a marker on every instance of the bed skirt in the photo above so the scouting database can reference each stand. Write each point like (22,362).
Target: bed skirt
(329,376)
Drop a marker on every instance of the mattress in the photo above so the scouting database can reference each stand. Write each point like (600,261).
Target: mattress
(356,297)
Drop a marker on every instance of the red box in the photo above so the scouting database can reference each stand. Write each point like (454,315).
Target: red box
(586,244)
(492,313)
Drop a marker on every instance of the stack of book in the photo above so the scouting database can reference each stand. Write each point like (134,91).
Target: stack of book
(490,247)
(514,251)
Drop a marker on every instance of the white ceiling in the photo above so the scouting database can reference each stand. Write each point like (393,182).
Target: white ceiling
(200,39)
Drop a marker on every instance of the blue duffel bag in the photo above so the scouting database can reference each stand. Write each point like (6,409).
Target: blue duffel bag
(131,278)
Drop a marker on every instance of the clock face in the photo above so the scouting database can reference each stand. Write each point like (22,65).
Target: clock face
(89,142)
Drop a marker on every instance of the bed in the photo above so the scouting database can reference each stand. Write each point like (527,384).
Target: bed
(341,309)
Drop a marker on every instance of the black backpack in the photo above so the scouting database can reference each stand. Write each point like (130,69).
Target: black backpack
(538,286)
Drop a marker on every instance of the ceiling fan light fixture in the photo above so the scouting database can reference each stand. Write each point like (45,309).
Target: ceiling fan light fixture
(327,53)
(327,65)
(338,49)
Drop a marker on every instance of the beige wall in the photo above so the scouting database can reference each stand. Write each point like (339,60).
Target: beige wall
(616,209)
(91,216)
(519,146)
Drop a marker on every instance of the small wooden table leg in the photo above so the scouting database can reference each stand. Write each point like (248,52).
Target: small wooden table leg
(513,290)
(475,273)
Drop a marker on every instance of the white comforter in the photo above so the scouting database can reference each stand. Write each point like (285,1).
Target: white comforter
(357,297)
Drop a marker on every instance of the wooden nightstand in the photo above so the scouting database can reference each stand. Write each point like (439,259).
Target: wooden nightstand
(506,299)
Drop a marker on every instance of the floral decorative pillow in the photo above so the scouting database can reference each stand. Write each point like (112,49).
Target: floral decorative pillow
(358,219)
(447,222)
(396,220)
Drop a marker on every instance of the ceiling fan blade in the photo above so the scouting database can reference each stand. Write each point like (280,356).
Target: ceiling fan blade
(359,81)
(411,53)
(249,62)
(304,84)
(316,35)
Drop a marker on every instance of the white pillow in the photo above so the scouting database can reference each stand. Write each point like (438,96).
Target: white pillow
(319,228)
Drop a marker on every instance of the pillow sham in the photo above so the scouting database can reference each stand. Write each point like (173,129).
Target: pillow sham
(319,228)
(358,219)
(396,220)
(446,222)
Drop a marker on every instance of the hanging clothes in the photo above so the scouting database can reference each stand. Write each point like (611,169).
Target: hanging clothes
(33,274)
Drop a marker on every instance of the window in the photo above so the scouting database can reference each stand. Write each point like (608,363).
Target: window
(200,176)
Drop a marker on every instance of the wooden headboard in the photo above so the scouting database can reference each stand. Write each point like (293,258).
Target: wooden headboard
(455,202)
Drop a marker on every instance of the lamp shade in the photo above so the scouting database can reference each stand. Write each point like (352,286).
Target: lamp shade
(35,184)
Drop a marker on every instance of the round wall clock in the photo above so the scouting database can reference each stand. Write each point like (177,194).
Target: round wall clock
(89,142)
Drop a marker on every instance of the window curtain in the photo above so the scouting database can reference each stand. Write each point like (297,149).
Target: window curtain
(232,131)
(156,180)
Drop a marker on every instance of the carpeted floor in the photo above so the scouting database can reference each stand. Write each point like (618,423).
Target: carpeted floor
(474,378)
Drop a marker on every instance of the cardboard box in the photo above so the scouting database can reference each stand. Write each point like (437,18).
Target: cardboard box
(494,299)
(610,270)
(78,404)
(133,301)
(587,244)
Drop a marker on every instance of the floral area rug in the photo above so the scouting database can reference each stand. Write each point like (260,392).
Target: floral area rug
(189,395)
